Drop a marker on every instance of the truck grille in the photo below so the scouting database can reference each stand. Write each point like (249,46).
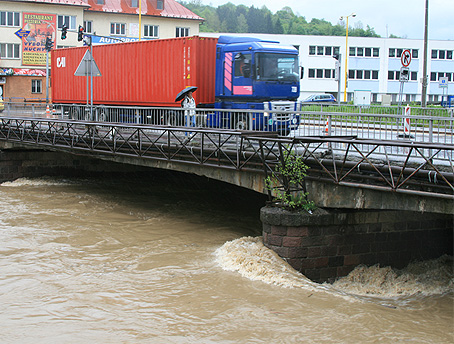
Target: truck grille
(282,106)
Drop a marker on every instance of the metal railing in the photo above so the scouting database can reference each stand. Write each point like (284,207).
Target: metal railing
(366,163)
(438,127)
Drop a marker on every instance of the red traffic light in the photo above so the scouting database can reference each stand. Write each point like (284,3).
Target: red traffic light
(80,34)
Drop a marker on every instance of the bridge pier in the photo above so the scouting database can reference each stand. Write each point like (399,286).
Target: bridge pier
(329,244)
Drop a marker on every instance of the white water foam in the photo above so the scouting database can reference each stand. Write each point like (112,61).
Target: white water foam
(251,259)
(41,181)
(432,277)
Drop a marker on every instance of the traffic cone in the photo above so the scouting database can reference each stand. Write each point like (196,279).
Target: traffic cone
(54,113)
(327,127)
(47,112)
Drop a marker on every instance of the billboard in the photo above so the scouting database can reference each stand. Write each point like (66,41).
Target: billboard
(40,26)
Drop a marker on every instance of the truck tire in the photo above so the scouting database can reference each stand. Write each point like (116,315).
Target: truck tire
(102,114)
(241,122)
(74,112)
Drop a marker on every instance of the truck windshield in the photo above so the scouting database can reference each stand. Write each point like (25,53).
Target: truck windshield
(277,67)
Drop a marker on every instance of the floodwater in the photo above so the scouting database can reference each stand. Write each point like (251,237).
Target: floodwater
(164,260)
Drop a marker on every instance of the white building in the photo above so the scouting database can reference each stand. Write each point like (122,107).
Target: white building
(26,24)
(373,65)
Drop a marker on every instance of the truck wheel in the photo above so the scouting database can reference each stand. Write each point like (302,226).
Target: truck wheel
(74,112)
(103,114)
(241,122)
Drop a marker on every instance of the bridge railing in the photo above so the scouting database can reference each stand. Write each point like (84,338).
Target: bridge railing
(429,125)
(388,165)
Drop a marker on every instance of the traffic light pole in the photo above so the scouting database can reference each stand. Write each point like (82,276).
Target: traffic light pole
(47,76)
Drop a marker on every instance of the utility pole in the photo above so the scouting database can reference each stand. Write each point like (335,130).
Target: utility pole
(424,70)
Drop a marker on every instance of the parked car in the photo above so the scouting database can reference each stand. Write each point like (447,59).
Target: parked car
(320,98)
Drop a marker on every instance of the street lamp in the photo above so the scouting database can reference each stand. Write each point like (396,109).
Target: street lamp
(353,15)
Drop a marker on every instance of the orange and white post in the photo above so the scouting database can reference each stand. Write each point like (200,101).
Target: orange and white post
(406,121)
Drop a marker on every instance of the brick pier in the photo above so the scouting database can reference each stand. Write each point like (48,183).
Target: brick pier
(329,244)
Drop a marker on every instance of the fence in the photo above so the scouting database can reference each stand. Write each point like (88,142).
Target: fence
(426,125)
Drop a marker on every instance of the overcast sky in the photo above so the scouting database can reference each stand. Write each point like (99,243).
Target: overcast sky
(403,18)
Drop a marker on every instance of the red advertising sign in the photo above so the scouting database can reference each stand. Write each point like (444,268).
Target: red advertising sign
(40,26)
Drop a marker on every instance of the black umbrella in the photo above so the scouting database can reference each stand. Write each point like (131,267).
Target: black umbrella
(182,93)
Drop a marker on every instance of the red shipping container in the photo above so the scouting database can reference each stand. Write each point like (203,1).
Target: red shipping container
(145,73)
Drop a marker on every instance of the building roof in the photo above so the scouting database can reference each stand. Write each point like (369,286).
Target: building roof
(59,2)
(171,8)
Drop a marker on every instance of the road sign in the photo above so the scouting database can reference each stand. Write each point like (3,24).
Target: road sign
(22,33)
(406,58)
(404,73)
(84,66)
(443,82)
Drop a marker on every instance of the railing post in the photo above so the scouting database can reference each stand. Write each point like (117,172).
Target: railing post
(431,134)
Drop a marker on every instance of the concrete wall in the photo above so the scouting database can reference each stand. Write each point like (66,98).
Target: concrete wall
(330,244)
(36,163)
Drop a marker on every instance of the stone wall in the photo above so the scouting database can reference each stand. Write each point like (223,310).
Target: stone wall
(329,244)
(36,163)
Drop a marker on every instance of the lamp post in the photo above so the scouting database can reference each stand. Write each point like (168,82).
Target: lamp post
(346,52)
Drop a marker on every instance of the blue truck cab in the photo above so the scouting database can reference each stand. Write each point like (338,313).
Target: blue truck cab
(255,74)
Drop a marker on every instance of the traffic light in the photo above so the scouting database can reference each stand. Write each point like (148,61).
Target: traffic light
(49,44)
(63,32)
(80,34)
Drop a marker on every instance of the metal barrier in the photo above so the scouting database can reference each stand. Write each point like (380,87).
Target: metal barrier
(418,168)
(434,127)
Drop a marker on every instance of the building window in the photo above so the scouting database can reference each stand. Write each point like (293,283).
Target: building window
(434,54)
(160,5)
(375,74)
(328,51)
(441,54)
(390,75)
(68,21)
(433,76)
(367,74)
(448,75)
(414,76)
(392,52)
(359,74)
(311,73)
(182,32)
(9,51)
(414,53)
(9,18)
(320,50)
(359,52)
(327,73)
(376,52)
(151,31)
(352,51)
(88,26)
(351,74)
(117,29)
(367,52)
(312,50)
(319,73)
(36,86)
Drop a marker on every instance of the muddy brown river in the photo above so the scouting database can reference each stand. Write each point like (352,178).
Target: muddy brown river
(154,260)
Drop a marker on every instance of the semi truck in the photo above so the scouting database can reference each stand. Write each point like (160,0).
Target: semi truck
(258,80)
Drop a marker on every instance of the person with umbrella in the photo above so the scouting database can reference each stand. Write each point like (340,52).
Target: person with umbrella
(188,104)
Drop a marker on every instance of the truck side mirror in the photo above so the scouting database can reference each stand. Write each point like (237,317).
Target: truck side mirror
(301,72)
